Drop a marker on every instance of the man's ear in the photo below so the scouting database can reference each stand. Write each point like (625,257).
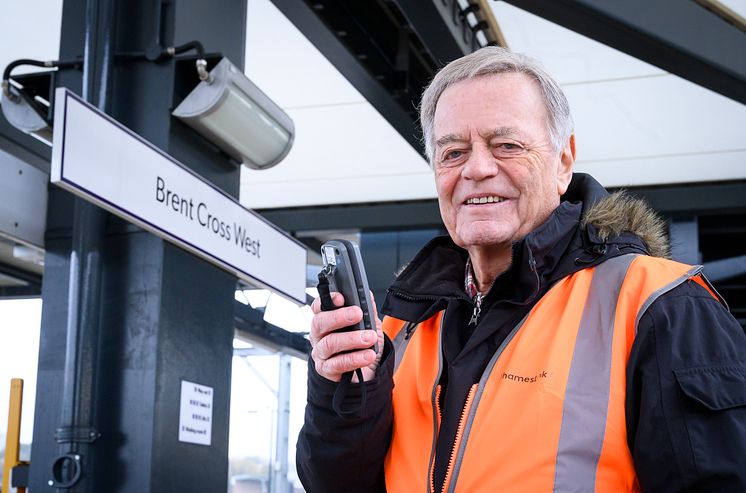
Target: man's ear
(564,167)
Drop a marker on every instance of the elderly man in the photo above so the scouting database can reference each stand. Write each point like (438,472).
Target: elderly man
(545,345)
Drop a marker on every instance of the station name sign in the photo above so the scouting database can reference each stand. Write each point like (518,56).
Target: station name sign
(97,158)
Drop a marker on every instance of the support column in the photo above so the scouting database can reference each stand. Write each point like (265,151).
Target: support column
(158,315)
(685,240)
(385,253)
(279,481)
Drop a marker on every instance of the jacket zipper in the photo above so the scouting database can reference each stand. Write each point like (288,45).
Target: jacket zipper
(432,459)
(425,297)
(477,301)
(409,297)
(456,441)
(477,309)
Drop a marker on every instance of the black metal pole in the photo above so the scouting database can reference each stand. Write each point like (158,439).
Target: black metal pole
(77,431)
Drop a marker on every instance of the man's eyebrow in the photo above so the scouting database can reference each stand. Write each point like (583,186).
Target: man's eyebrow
(496,133)
(450,138)
(503,132)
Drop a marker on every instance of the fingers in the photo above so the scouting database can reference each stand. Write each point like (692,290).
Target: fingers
(339,342)
(323,323)
(341,352)
(335,353)
(332,369)
(337,299)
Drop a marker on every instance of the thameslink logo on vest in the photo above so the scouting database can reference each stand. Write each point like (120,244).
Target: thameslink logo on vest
(527,379)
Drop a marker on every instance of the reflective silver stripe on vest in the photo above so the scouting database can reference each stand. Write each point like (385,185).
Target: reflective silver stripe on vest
(668,287)
(401,341)
(588,384)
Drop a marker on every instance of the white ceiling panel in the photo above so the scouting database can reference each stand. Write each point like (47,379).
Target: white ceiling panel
(338,190)
(286,66)
(639,118)
(684,168)
(341,154)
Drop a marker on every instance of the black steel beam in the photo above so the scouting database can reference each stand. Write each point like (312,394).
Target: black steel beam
(20,292)
(389,50)
(440,27)
(250,322)
(695,199)
(671,200)
(30,278)
(680,37)
(365,217)
(328,41)
(165,315)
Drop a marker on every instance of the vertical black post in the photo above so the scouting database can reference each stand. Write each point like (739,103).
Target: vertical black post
(684,234)
(70,470)
(126,316)
(386,252)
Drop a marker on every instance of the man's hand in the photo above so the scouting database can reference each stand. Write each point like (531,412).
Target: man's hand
(327,345)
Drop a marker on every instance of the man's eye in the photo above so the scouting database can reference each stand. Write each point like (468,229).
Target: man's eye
(451,158)
(508,148)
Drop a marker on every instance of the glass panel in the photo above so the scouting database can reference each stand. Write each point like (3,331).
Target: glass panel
(255,425)
(20,321)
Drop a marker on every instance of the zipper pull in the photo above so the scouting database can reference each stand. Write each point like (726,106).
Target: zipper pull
(477,309)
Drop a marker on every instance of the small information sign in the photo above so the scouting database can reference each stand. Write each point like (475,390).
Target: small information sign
(195,413)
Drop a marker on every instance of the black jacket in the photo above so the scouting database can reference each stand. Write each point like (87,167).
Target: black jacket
(686,376)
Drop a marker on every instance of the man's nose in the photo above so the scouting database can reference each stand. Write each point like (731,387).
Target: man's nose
(481,164)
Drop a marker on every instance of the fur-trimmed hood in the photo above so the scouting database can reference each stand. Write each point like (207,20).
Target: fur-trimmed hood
(620,212)
(611,216)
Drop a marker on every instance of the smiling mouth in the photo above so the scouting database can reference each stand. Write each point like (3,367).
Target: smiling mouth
(492,199)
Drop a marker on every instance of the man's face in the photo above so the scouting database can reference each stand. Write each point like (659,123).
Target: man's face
(496,172)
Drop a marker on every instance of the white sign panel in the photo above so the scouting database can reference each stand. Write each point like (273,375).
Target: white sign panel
(195,413)
(99,159)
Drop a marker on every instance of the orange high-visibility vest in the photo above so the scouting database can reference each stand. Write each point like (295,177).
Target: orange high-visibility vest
(548,414)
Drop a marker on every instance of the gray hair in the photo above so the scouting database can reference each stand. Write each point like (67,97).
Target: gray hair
(495,60)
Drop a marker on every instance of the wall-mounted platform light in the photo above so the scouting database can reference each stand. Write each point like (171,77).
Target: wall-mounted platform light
(225,107)
(23,107)
(22,115)
(234,114)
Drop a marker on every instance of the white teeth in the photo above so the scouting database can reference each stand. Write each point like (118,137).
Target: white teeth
(485,200)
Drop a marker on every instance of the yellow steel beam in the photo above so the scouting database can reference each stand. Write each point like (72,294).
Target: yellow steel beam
(726,13)
(13,437)
(485,12)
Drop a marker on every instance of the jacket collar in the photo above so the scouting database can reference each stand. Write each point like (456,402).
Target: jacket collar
(567,242)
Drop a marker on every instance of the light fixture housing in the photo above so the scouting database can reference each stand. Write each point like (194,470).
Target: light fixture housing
(23,116)
(235,115)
